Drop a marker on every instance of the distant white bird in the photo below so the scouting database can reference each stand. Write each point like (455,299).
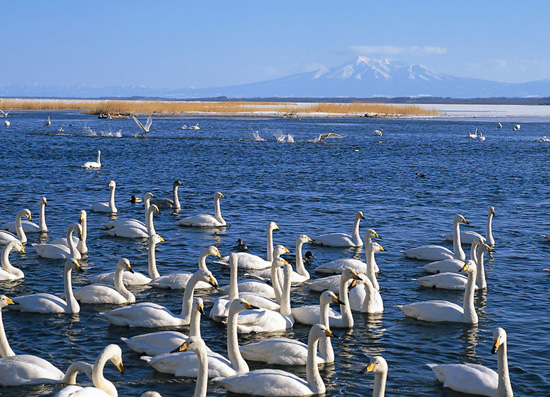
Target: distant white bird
(48,123)
(377,132)
(322,137)
(481,137)
(473,136)
(147,128)
(5,114)
(7,123)
(61,128)
(184,127)
(94,164)
(499,126)
(195,127)
(517,127)
(543,139)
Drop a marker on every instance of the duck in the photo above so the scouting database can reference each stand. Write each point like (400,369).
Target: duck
(102,386)
(94,164)
(179,280)
(117,295)
(241,246)
(80,242)
(59,251)
(6,237)
(152,315)
(207,220)
(274,382)
(444,311)
(478,379)
(28,226)
(155,343)
(342,239)
(437,252)
(286,351)
(9,272)
(166,203)
(133,230)
(135,200)
(108,207)
(379,367)
(49,304)
(181,363)
(467,236)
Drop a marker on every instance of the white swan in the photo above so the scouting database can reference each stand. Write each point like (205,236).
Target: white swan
(137,223)
(6,237)
(195,127)
(28,226)
(444,311)
(196,345)
(517,127)
(97,293)
(144,128)
(273,382)
(132,230)
(437,252)
(180,280)
(59,251)
(185,364)
(48,122)
(286,351)
(264,320)
(184,127)
(79,242)
(207,220)
(367,299)
(379,367)
(472,135)
(481,137)
(220,309)
(321,138)
(108,207)
(102,387)
(467,236)
(94,164)
(310,314)
(155,343)
(478,379)
(342,239)
(48,303)
(166,203)
(9,272)
(451,265)
(152,315)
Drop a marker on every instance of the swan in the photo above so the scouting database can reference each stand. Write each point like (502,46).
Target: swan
(195,127)
(286,351)
(499,125)
(6,237)
(97,293)
(108,207)
(264,320)
(152,315)
(185,364)
(9,272)
(437,252)
(311,314)
(155,343)
(273,382)
(342,239)
(473,136)
(220,308)
(131,230)
(7,123)
(379,367)
(94,164)
(102,387)
(196,345)
(184,127)
(166,203)
(48,303)
(181,279)
(207,220)
(321,138)
(444,311)
(517,127)
(367,299)
(48,123)
(5,114)
(377,132)
(452,265)
(481,137)
(144,128)
(254,262)
(28,226)
(58,251)
(134,222)
(478,379)
(467,236)
(79,242)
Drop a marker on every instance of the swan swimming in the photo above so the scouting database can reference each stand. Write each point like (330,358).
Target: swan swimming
(28,226)
(6,237)
(80,242)
(108,207)
(379,367)
(342,239)
(94,164)
(61,251)
(132,229)
(207,220)
(9,272)
(467,236)
(166,203)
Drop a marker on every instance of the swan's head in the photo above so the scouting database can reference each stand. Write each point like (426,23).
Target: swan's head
(198,305)
(302,239)
(349,274)
(211,251)
(25,213)
(193,344)
(83,216)
(485,248)
(460,219)
(98,152)
(492,211)
(112,184)
(114,353)
(278,262)
(359,215)
(124,264)
(371,234)
(478,240)
(280,250)
(15,245)
(177,183)
(43,201)
(363,279)
(207,277)
(320,331)
(148,196)
(499,339)
(273,226)
(240,305)
(71,264)
(378,365)
(154,208)
(218,196)
(5,301)
(155,238)
(469,267)
(375,247)
(328,297)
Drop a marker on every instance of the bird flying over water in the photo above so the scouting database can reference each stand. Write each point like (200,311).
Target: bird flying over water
(5,114)
(322,137)
(147,128)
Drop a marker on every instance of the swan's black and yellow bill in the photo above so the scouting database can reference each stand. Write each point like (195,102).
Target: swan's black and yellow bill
(120,368)
(212,282)
(183,347)
(496,345)
(329,333)
(249,306)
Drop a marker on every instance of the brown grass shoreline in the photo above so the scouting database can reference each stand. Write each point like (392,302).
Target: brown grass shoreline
(228,108)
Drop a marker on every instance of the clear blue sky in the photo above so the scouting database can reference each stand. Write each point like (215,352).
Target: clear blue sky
(173,44)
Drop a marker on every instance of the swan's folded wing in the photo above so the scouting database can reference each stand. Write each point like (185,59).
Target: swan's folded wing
(467,378)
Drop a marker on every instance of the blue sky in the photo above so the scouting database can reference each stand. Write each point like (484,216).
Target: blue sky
(173,44)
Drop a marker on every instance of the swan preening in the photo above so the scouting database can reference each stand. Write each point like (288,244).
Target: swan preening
(342,239)
(6,237)
(28,226)
(467,236)
(94,164)
(166,203)
(207,220)
(109,206)
(517,127)
(477,379)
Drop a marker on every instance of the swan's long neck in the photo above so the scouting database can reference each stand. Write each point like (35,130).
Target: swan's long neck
(371,274)
(73,370)
(6,265)
(275,282)
(72,303)
(99,158)
(150,224)
(188,298)
(175,198)
(504,388)
(195,324)
(470,315)
(19,228)
(325,344)
(42,216)
(152,260)
(237,361)
(202,261)
(81,246)
(202,378)
(473,250)
(380,384)
(285,309)
(369,303)
(300,268)
(112,206)
(233,282)
(218,210)
(71,243)
(345,310)
(5,349)
(99,380)
(120,287)
(457,247)
(314,380)
(146,205)
(481,282)
(269,244)
(356,237)
(489,231)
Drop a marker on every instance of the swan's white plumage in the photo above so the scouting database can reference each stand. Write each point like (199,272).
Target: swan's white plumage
(6,236)
(59,250)
(342,239)
(28,226)
(94,164)
(207,220)
(107,207)
(9,272)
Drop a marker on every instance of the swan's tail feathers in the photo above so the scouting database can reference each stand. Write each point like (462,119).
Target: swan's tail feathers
(146,358)
(222,262)
(431,365)
(122,338)
(256,277)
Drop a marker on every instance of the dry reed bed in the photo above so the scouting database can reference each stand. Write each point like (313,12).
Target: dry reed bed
(228,108)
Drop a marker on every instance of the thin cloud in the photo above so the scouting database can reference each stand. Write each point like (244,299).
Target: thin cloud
(396,50)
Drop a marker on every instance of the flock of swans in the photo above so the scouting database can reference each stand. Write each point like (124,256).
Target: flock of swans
(259,303)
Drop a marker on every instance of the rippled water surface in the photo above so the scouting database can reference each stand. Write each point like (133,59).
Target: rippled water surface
(308,189)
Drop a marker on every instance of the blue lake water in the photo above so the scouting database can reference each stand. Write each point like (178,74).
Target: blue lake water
(308,189)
